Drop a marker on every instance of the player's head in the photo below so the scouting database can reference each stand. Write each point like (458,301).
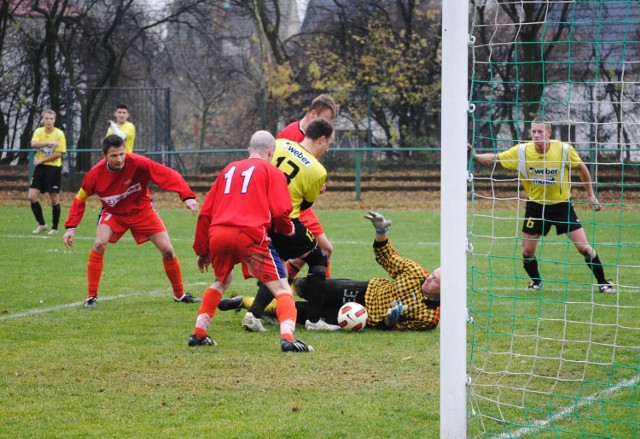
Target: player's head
(431,285)
(320,132)
(262,143)
(323,107)
(540,130)
(113,152)
(111,141)
(48,118)
(122,113)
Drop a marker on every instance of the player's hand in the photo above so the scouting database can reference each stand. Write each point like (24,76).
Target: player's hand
(67,238)
(396,310)
(192,205)
(379,222)
(323,189)
(595,205)
(203,263)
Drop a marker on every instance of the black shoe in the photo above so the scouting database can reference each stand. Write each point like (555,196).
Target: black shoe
(188,298)
(534,285)
(229,303)
(91,302)
(204,341)
(295,346)
(607,288)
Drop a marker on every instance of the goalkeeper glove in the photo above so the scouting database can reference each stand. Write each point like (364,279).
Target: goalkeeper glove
(396,310)
(379,222)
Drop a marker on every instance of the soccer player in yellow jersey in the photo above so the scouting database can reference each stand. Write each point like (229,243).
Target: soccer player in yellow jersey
(122,128)
(544,167)
(47,175)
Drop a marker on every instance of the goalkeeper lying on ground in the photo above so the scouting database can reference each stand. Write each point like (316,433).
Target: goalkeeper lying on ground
(408,301)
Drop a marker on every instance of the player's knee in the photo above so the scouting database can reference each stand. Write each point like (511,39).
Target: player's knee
(587,251)
(317,256)
(168,254)
(100,245)
(318,270)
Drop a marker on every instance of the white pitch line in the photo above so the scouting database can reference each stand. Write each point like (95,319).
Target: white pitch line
(37,311)
(539,425)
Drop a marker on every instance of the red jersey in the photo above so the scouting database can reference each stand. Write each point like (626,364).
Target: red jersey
(126,192)
(250,194)
(292,132)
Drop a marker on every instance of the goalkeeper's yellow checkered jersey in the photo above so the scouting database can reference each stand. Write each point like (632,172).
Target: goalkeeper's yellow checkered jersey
(408,277)
(304,172)
(546,177)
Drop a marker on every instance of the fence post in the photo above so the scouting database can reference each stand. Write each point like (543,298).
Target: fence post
(358,172)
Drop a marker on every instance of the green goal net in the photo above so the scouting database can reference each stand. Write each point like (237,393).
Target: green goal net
(563,361)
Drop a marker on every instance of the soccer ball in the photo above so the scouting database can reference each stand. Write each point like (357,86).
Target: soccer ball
(352,317)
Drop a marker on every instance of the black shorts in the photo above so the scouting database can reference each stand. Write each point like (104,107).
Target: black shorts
(289,247)
(47,179)
(538,218)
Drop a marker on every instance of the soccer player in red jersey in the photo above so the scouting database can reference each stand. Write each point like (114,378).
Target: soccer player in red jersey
(122,184)
(322,107)
(248,198)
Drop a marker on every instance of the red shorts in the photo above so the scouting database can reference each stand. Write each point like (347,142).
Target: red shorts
(142,224)
(311,222)
(229,246)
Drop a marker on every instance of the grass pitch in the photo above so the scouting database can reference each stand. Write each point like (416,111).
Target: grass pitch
(124,368)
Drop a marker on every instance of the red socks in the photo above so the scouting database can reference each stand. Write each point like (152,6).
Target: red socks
(94,272)
(287,313)
(210,300)
(172,268)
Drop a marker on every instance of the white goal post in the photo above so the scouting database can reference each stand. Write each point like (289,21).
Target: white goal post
(453,221)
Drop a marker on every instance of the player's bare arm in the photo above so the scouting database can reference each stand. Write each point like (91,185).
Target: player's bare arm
(585,178)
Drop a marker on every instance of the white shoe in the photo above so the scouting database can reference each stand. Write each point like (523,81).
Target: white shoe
(320,325)
(40,229)
(251,323)
(53,232)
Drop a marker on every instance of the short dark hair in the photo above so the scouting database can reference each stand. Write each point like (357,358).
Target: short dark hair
(122,107)
(319,128)
(111,141)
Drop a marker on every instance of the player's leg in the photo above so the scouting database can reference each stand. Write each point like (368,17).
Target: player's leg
(210,300)
(327,248)
(579,239)
(172,267)
(315,283)
(264,263)
(95,264)
(337,292)
(529,261)
(54,197)
(532,228)
(35,189)
(287,313)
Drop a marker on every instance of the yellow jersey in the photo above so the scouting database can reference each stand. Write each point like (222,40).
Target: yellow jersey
(305,174)
(546,177)
(56,135)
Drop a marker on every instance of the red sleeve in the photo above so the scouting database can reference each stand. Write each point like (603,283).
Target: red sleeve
(201,240)
(169,179)
(76,212)
(280,203)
